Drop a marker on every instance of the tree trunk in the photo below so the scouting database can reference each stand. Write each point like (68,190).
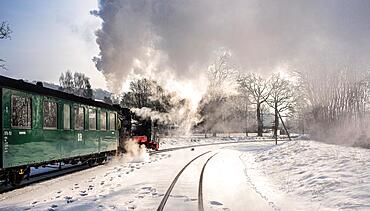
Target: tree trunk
(276,123)
(246,118)
(259,120)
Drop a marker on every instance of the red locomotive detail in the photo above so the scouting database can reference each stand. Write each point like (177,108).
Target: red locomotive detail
(138,129)
(144,140)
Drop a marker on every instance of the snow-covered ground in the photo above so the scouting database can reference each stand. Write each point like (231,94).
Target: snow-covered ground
(200,139)
(125,185)
(309,175)
(294,175)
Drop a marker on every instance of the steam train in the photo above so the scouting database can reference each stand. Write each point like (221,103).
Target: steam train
(42,126)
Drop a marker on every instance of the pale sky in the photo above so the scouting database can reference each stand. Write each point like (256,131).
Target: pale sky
(50,37)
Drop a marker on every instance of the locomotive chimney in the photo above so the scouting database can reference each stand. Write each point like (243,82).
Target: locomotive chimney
(40,84)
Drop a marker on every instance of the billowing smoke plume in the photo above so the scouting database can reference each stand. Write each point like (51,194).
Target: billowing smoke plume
(174,41)
(147,113)
(177,38)
(135,153)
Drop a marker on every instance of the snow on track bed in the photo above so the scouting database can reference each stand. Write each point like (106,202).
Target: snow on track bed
(169,190)
(187,141)
(312,174)
(46,175)
(118,185)
(91,189)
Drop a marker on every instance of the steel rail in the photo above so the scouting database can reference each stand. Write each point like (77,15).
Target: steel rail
(168,192)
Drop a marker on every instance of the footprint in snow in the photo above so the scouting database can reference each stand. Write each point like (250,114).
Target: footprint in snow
(34,202)
(83,193)
(129,202)
(216,203)
(69,199)
(91,187)
(178,196)
(132,207)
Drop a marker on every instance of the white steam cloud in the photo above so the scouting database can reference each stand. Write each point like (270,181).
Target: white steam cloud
(173,37)
(136,153)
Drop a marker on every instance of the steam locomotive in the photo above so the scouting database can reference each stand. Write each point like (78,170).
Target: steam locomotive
(42,126)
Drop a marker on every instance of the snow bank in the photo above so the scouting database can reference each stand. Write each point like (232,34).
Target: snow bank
(322,175)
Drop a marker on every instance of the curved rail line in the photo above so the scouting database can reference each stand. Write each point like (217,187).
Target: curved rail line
(200,190)
(58,173)
(168,192)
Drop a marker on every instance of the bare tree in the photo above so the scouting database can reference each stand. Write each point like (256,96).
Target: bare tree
(258,90)
(147,93)
(212,107)
(4,34)
(77,84)
(338,99)
(66,82)
(5,31)
(281,98)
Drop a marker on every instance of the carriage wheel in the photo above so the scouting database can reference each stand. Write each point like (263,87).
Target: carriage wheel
(101,159)
(16,176)
(91,161)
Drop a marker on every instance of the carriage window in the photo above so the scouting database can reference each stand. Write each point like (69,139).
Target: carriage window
(112,121)
(92,119)
(50,115)
(21,112)
(103,121)
(79,118)
(67,117)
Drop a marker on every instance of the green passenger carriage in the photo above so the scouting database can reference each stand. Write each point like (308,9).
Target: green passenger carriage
(42,126)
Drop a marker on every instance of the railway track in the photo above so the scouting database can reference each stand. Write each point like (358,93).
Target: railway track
(200,185)
(210,144)
(58,173)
